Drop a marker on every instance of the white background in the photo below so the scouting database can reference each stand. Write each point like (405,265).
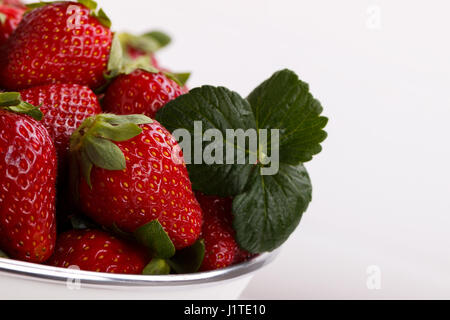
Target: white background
(381,69)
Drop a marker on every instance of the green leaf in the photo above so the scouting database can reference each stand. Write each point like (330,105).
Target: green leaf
(188,260)
(270,210)
(90,4)
(12,101)
(28,109)
(9,99)
(2,18)
(121,132)
(104,153)
(115,58)
(182,77)
(99,14)
(153,236)
(284,102)
(123,119)
(268,204)
(148,43)
(179,78)
(3,255)
(162,38)
(86,166)
(157,267)
(32,6)
(144,63)
(103,18)
(214,108)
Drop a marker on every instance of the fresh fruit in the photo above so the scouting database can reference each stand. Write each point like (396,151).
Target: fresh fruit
(13,3)
(140,92)
(94,250)
(65,107)
(221,249)
(132,174)
(60,42)
(9,20)
(27,184)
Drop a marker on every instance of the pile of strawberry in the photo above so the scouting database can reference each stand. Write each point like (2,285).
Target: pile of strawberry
(86,173)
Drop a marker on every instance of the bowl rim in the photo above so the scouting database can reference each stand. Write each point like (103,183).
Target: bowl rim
(34,271)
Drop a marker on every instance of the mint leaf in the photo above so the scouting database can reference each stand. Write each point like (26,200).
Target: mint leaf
(188,260)
(270,210)
(153,236)
(213,108)
(284,102)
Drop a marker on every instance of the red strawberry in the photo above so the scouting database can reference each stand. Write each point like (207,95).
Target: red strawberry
(221,249)
(93,250)
(65,107)
(27,187)
(136,180)
(140,92)
(13,3)
(61,42)
(9,20)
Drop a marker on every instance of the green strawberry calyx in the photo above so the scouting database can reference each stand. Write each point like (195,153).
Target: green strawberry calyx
(3,18)
(157,266)
(99,14)
(187,260)
(121,63)
(153,236)
(12,101)
(148,43)
(3,255)
(92,144)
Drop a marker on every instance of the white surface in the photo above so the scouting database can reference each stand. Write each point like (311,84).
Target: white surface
(382,182)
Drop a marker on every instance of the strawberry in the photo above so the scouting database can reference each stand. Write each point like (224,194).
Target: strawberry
(9,20)
(140,92)
(27,183)
(65,107)
(221,249)
(94,250)
(60,42)
(132,174)
(13,3)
